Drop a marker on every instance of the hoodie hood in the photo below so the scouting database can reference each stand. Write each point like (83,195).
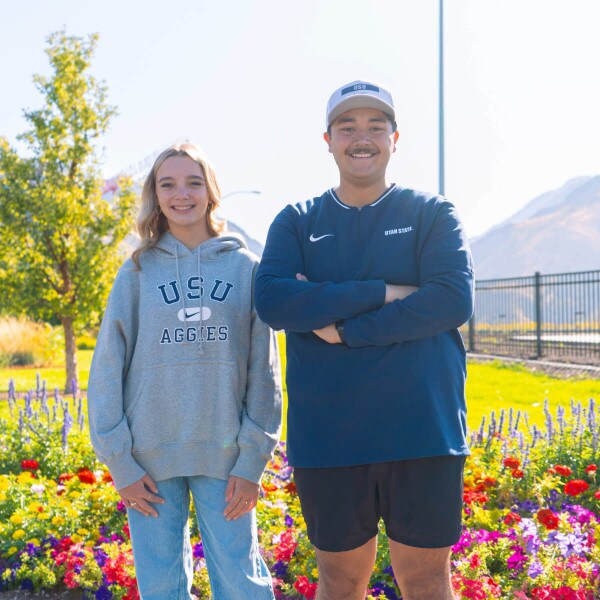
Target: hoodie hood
(211,249)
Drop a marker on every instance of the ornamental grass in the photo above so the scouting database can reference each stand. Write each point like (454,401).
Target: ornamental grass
(531,511)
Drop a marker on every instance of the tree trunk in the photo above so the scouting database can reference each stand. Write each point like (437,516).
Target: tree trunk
(70,354)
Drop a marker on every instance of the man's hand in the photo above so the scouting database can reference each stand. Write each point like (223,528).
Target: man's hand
(328,334)
(398,292)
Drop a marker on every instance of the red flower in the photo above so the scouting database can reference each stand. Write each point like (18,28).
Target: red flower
(475,561)
(107,477)
(471,495)
(597,494)
(576,487)
(591,469)
(86,476)
(286,547)
(65,477)
(511,462)
(29,464)
(547,518)
(490,482)
(268,487)
(307,589)
(511,518)
(562,470)
(290,487)
(518,474)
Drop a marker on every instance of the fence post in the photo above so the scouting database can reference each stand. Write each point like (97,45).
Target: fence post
(472,333)
(538,314)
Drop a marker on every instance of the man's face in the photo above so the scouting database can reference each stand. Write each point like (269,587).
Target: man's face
(362,143)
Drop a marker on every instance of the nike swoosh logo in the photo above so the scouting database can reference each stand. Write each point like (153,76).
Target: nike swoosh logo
(194,314)
(312,237)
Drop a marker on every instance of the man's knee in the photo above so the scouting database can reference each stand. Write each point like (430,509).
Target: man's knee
(345,575)
(426,586)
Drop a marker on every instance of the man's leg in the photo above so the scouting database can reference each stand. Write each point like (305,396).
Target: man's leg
(422,573)
(422,508)
(340,509)
(345,575)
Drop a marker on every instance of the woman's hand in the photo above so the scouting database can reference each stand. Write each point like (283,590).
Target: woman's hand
(241,496)
(138,496)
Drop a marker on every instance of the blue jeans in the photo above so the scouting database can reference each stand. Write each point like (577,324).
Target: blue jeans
(163,555)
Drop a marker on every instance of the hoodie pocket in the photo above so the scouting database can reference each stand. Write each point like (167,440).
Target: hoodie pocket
(186,403)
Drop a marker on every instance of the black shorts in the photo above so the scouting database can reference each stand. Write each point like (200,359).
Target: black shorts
(419,500)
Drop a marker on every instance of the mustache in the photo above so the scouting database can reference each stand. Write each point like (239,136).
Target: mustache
(362,149)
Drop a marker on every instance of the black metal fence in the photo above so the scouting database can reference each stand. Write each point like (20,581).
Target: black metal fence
(554,317)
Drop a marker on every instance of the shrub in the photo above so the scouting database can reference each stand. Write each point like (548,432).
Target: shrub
(27,343)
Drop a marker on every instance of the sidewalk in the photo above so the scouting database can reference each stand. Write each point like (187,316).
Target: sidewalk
(556,369)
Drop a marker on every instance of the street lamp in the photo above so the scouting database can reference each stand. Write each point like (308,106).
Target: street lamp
(240,192)
(441,182)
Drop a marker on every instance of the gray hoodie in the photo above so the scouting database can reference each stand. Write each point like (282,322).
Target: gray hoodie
(185,378)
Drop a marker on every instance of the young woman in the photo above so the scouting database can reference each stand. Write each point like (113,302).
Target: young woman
(184,392)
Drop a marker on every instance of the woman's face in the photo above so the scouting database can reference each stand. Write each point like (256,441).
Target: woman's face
(182,195)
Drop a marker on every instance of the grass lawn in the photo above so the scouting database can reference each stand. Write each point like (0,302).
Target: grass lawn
(490,386)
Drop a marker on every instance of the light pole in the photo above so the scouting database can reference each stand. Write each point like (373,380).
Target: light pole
(239,192)
(441,101)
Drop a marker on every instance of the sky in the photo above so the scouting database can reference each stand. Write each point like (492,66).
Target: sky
(248,81)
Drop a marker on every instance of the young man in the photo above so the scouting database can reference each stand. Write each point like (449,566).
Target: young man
(370,282)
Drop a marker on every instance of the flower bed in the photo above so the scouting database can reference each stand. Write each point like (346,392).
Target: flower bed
(531,512)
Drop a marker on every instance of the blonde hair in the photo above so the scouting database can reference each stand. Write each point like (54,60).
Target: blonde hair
(151,223)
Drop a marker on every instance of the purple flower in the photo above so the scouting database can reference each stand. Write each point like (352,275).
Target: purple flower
(198,550)
(570,543)
(535,569)
(386,590)
(289,522)
(103,593)
(100,557)
(517,560)
(280,569)
(482,536)
(528,527)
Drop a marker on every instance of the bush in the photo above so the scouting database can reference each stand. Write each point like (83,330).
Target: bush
(27,343)
(86,341)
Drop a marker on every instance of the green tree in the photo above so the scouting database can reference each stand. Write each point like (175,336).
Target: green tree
(59,241)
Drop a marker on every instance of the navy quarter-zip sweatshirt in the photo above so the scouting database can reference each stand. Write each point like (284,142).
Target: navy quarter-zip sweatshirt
(396,389)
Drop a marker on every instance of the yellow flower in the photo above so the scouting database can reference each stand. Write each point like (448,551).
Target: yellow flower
(35,507)
(25,477)
(57,520)
(18,534)
(34,541)
(90,543)
(76,538)
(315,573)
(17,519)
(11,551)
(82,531)
(4,483)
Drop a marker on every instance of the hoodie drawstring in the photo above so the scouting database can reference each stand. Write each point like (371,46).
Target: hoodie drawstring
(183,293)
(200,338)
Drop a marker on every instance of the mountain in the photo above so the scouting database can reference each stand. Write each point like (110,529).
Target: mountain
(556,232)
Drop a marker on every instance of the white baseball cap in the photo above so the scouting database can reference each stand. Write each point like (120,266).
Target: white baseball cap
(359,94)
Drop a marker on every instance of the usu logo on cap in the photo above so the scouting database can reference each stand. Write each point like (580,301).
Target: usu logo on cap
(359,94)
